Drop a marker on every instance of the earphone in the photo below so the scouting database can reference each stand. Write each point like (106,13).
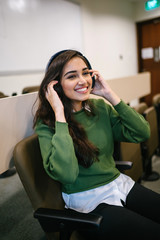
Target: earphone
(60,52)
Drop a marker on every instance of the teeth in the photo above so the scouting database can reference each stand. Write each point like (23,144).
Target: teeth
(81,90)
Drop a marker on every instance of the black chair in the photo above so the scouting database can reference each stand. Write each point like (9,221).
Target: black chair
(45,195)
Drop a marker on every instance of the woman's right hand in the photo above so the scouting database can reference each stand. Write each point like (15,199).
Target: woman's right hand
(55,102)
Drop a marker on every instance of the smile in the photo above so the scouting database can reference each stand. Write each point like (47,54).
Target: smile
(82,90)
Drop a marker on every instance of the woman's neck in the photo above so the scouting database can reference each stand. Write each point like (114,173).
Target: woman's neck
(77,107)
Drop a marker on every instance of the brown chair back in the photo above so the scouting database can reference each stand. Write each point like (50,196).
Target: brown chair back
(132,152)
(156,99)
(151,145)
(156,104)
(153,142)
(141,107)
(30,89)
(40,188)
(2,95)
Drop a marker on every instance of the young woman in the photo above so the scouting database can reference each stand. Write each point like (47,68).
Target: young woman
(76,136)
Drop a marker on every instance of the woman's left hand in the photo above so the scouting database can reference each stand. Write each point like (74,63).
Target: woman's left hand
(101,88)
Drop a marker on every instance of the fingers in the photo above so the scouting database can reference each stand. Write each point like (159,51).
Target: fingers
(51,85)
(50,88)
(95,73)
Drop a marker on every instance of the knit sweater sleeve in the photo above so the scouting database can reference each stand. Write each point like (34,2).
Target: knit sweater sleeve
(128,125)
(58,153)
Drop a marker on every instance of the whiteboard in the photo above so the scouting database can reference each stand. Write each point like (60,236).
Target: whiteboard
(33,30)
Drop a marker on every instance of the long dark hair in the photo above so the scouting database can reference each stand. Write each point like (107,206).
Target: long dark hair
(85,151)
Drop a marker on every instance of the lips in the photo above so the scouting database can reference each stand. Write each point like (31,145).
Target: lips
(82,90)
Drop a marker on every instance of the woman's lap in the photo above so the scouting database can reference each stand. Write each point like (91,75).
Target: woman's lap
(144,201)
(131,221)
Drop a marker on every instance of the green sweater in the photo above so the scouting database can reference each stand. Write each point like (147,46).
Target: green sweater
(120,123)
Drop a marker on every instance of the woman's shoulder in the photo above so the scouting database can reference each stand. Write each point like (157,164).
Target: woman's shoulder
(100,103)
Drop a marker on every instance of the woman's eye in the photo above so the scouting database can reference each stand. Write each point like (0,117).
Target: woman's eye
(86,73)
(71,76)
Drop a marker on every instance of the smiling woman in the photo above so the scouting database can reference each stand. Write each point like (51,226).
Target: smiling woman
(76,136)
(61,67)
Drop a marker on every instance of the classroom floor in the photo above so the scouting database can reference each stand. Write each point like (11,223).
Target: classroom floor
(155,186)
(16,213)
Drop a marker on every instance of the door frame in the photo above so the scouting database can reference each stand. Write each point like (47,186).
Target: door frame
(139,47)
(138,30)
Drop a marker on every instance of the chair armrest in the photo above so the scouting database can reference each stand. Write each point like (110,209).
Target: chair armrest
(123,165)
(53,220)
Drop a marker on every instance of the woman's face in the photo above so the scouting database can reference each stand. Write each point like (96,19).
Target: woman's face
(76,82)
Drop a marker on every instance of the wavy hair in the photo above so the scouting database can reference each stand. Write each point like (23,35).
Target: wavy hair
(85,151)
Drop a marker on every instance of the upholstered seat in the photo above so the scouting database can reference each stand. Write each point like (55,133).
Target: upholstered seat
(45,194)
(30,89)
(150,146)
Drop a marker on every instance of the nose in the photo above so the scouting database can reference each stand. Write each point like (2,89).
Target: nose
(81,80)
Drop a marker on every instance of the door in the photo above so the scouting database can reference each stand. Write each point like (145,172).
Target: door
(148,36)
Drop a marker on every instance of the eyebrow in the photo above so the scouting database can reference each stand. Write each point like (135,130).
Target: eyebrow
(74,71)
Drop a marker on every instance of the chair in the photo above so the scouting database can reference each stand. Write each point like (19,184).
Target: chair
(132,152)
(30,89)
(45,195)
(11,171)
(156,104)
(141,107)
(2,95)
(150,146)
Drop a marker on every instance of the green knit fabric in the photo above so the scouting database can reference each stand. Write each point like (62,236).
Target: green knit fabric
(120,123)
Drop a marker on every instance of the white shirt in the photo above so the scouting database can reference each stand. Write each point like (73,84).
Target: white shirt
(111,193)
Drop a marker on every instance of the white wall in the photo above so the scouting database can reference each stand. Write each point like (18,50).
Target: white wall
(33,30)
(10,84)
(109,36)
